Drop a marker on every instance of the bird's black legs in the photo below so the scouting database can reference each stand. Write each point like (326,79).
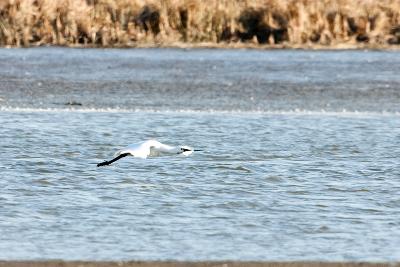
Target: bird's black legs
(111,161)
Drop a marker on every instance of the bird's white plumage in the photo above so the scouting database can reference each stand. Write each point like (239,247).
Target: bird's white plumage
(153,148)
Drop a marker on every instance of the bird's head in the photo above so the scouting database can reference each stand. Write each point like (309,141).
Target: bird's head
(185,150)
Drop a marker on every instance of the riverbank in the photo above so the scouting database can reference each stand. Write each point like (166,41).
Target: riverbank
(304,24)
(57,263)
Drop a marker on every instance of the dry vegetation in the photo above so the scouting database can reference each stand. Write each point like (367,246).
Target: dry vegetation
(125,23)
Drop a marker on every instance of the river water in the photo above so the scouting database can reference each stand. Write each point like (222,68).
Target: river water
(300,155)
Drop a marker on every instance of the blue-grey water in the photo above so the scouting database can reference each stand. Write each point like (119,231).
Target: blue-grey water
(300,155)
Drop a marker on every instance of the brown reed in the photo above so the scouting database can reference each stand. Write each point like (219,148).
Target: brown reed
(127,23)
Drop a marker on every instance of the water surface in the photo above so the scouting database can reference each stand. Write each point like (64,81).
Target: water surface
(282,175)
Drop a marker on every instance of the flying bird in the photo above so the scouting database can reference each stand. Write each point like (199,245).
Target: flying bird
(146,149)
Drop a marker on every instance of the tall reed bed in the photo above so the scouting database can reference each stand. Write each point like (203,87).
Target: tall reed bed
(169,22)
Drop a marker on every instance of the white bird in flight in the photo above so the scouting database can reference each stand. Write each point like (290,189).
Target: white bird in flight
(148,148)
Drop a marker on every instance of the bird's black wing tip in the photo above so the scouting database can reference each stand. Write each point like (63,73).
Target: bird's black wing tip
(102,164)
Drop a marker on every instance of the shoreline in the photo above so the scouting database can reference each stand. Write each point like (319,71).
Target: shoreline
(61,263)
(223,46)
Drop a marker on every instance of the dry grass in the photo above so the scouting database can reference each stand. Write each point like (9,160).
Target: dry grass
(126,23)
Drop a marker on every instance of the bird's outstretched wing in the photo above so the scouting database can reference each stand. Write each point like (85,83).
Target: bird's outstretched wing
(104,163)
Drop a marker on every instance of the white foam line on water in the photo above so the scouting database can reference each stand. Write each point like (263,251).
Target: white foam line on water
(295,112)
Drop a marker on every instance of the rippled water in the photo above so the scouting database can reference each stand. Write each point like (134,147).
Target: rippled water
(280,184)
